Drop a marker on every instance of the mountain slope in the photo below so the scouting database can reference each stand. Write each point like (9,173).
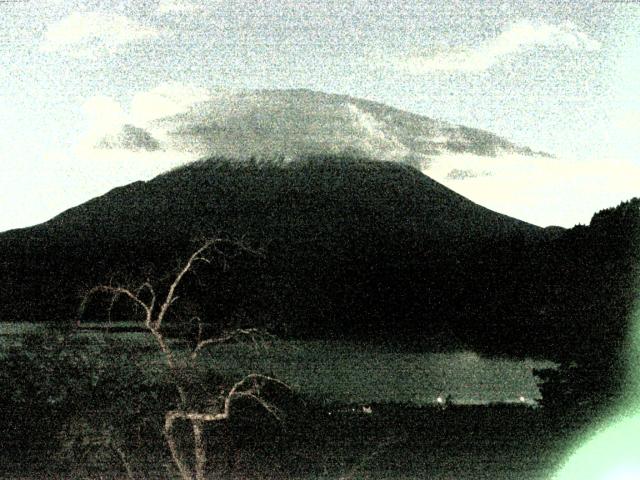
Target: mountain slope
(352,231)
(291,124)
(368,249)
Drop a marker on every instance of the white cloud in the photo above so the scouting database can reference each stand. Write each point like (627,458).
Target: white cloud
(125,144)
(534,188)
(165,100)
(541,190)
(628,121)
(518,38)
(104,115)
(178,6)
(377,140)
(131,138)
(87,33)
(103,158)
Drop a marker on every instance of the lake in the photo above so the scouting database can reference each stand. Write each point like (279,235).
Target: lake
(350,372)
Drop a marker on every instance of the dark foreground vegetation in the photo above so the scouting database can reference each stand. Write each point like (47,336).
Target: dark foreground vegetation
(464,443)
(344,248)
(92,406)
(352,248)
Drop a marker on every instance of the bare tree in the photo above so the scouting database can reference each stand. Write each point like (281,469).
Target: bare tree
(155,311)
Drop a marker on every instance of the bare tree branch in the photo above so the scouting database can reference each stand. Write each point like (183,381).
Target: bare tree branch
(147,285)
(117,291)
(196,256)
(199,449)
(123,459)
(114,298)
(254,377)
(248,387)
(253,334)
(272,409)
(178,461)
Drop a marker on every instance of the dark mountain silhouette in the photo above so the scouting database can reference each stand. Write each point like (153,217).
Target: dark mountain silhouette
(352,247)
(341,228)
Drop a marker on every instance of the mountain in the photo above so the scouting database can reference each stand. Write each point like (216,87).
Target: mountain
(290,124)
(352,247)
(345,228)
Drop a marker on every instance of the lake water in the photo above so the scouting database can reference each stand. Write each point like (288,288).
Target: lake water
(347,372)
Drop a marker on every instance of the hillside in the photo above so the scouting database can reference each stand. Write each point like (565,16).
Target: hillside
(293,124)
(348,230)
(352,247)
(290,124)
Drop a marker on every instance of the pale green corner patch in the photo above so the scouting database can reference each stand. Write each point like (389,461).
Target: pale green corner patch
(612,452)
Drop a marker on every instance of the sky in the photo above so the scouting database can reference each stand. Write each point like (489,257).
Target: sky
(561,77)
